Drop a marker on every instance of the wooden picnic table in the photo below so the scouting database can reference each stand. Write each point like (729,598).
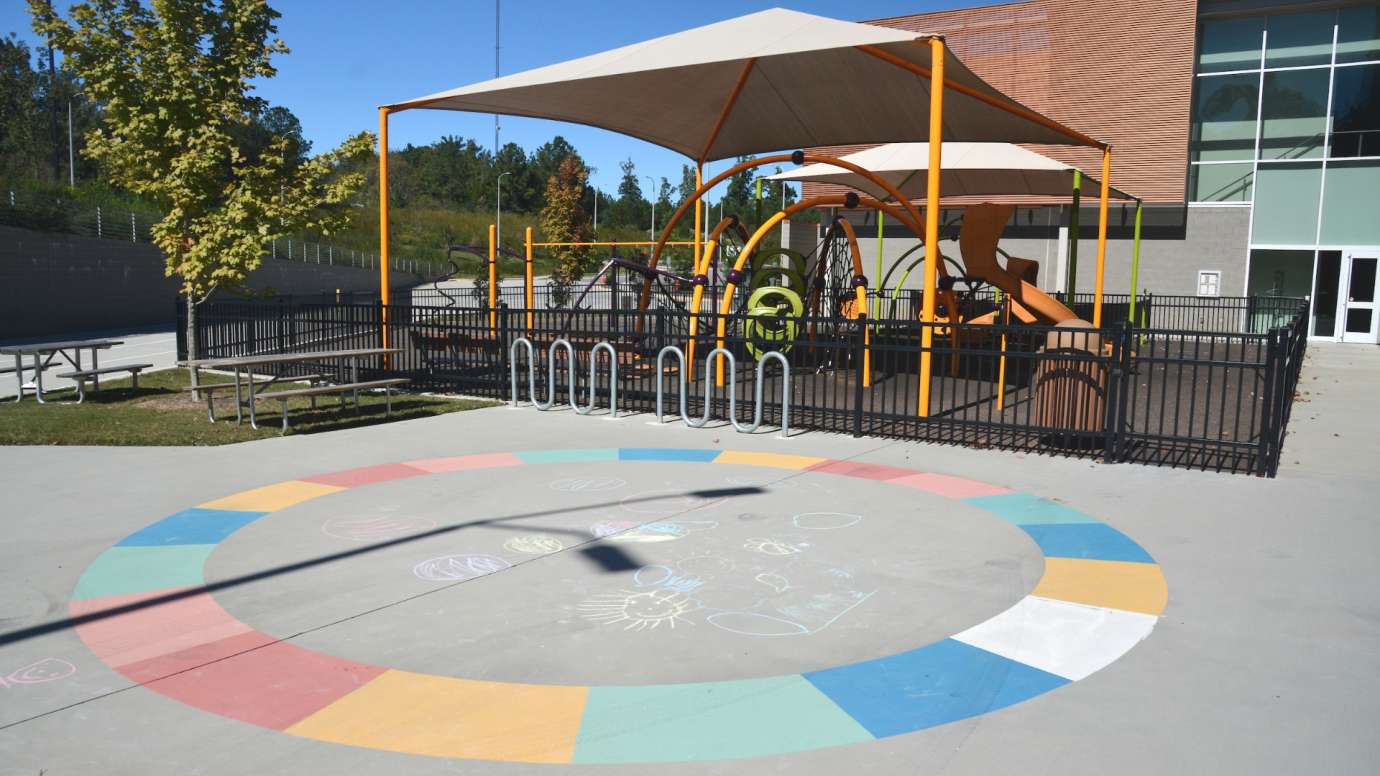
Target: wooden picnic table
(244,393)
(44,353)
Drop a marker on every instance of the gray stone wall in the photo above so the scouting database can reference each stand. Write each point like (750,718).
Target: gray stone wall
(56,283)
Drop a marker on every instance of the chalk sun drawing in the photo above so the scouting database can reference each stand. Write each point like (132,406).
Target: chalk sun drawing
(825,521)
(534,544)
(773,546)
(588,484)
(451,568)
(46,670)
(638,610)
(374,529)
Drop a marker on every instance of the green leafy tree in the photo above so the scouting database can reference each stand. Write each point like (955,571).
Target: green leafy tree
(563,220)
(175,81)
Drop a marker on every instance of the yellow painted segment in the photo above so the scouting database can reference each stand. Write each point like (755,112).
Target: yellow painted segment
(1134,587)
(449,717)
(272,497)
(774,460)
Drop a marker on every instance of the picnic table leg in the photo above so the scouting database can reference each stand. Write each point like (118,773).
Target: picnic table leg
(95,379)
(283,402)
(38,380)
(253,419)
(239,400)
(19,377)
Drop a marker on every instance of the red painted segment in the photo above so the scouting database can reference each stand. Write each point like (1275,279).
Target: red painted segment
(467,462)
(866,471)
(154,631)
(952,487)
(275,686)
(167,665)
(368,475)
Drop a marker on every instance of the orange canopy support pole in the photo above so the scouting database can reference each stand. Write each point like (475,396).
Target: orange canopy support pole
(493,279)
(936,138)
(527,276)
(699,213)
(383,223)
(1102,236)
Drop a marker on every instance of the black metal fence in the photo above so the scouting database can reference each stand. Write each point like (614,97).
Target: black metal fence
(1204,400)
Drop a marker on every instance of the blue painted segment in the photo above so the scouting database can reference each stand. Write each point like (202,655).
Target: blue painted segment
(1090,541)
(933,685)
(578,455)
(667,454)
(710,721)
(126,570)
(1022,509)
(191,526)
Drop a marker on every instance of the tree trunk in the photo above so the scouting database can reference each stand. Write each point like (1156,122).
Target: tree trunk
(192,348)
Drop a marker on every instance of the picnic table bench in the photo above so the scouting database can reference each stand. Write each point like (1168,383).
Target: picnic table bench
(340,390)
(81,376)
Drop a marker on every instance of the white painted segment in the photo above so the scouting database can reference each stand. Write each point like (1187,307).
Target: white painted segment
(1059,637)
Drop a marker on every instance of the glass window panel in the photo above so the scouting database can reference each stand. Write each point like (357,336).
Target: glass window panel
(1280,273)
(1351,215)
(1230,44)
(1286,204)
(1224,117)
(1358,33)
(1299,39)
(1356,111)
(1362,287)
(1219,183)
(1358,320)
(1325,293)
(1293,114)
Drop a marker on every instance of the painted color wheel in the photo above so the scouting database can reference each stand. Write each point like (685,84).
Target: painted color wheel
(1100,595)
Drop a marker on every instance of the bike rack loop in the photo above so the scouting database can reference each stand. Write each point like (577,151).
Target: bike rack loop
(732,389)
(570,375)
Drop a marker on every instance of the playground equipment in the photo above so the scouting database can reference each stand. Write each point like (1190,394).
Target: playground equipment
(884,84)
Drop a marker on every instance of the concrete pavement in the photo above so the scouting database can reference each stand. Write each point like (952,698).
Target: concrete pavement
(1265,659)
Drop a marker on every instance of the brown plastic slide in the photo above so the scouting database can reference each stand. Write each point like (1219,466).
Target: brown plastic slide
(977,239)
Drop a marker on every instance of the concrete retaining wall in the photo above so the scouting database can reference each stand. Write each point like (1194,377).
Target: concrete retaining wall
(56,283)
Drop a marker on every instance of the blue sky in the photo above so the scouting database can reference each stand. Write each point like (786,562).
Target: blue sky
(349,56)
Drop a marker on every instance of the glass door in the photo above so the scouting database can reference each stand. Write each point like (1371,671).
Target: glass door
(1358,309)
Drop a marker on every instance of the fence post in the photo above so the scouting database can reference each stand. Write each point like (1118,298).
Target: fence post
(859,357)
(1268,403)
(504,327)
(1117,367)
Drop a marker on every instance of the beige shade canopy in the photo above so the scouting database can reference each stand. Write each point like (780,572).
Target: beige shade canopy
(966,169)
(769,81)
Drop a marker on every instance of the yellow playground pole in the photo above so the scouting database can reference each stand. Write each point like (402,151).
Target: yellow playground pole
(493,279)
(527,276)
(383,222)
(1102,234)
(931,221)
(699,213)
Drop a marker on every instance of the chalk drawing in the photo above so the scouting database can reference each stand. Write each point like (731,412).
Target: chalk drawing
(661,531)
(812,615)
(49,669)
(451,568)
(638,610)
(375,529)
(663,502)
(534,544)
(667,579)
(825,521)
(773,546)
(776,582)
(587,484)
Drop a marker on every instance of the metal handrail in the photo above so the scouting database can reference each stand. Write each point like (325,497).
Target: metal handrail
(570,375)
(732,389)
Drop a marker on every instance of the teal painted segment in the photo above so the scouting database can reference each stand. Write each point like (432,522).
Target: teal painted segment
(710,721)
(1021,509)
(667,454)
(569,456)
(125,570)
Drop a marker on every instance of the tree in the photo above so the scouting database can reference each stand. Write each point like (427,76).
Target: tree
(687,186)
(563,220)
(175,83)
(630,209)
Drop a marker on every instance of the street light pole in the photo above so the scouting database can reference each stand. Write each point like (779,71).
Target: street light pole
(498,212)
(596,212)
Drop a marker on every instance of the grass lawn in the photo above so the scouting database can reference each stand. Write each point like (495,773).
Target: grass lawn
(157,414)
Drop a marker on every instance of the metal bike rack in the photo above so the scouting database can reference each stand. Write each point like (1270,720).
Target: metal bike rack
(732,389)
(570,375)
